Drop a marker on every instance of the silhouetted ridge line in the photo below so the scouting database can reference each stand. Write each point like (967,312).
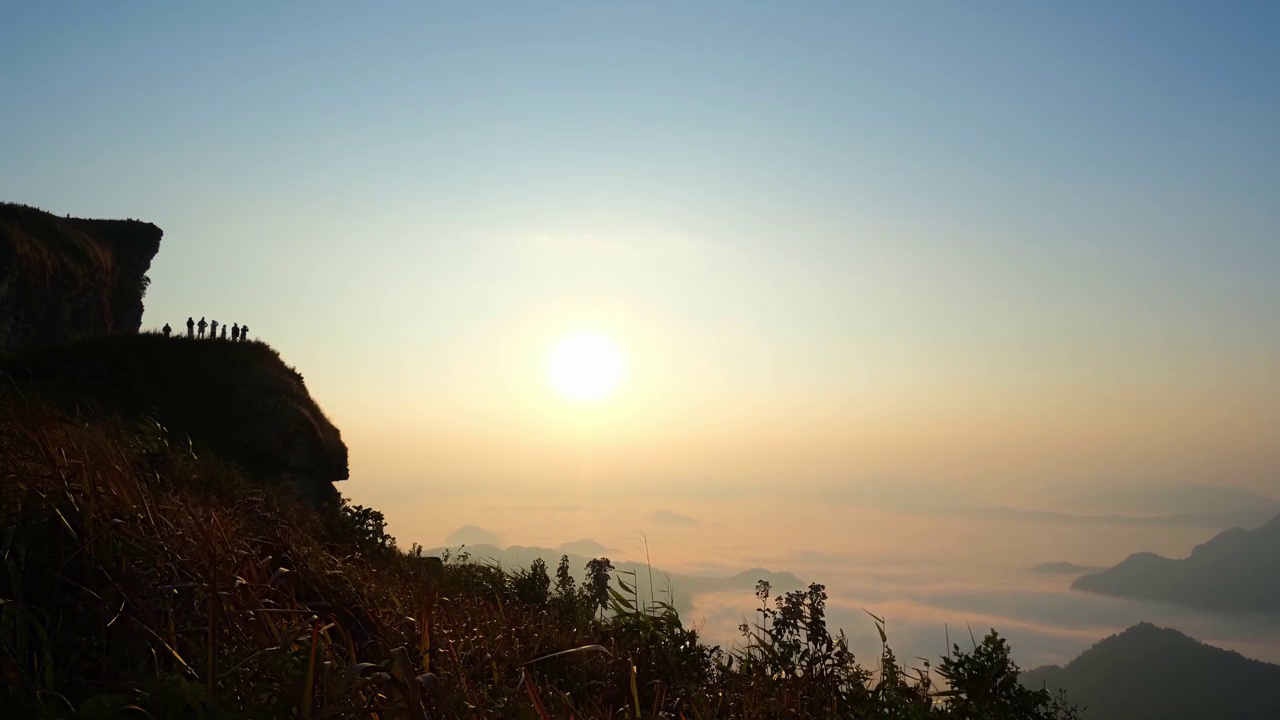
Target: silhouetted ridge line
(1153,673)
(1237,570)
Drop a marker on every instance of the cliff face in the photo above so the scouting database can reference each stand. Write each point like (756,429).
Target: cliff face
(237,400)
(65,278)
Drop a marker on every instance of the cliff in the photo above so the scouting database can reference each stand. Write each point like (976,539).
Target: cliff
(65,278)
(70,308)
(237,401)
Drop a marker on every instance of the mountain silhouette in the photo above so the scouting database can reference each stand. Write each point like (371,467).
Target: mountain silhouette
(585,547)
(1181,500)
(1236,571)
(1152,673)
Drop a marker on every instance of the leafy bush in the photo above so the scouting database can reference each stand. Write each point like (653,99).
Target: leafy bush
(361,529)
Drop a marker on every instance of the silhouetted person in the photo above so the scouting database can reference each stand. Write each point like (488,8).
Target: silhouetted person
(224,331)
(191,328)
(166,330)
(213,329)
(202,325)
(235,332)
(244,332)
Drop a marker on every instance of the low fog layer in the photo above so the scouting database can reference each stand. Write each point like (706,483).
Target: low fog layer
(940,568)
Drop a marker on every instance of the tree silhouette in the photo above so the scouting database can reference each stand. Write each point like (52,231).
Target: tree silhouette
(564,578)
(597,585)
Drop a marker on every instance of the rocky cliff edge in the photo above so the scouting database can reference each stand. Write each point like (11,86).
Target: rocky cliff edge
(63,278)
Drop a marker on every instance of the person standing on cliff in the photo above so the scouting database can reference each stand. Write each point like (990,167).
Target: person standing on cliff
(213,330)
(224,331)
(202,325)
(191,328)
(166,330)
(235,332)
(244,332)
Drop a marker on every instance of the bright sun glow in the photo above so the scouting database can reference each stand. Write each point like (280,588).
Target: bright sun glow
(585,367)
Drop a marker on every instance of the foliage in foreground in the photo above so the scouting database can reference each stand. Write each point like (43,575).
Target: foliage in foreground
(140,580)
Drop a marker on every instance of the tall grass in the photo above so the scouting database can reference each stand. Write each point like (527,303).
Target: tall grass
(143,580)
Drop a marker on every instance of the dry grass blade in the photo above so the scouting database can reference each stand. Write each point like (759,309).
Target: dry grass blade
(572,651)
(533,696)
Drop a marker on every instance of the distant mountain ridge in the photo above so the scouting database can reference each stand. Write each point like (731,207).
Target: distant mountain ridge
(1187,505)
(1205,520)
(1178,500)
(1236,571)
(1063,568)
(1152,673)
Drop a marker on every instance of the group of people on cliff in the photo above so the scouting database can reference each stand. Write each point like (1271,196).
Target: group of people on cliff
(197,329)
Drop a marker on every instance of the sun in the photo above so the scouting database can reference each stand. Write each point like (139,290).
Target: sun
(585,367)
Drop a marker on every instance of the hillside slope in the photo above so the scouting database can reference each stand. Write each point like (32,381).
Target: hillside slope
(1238,570)
(139,580)
(237,400)
(64,278)
(1151,673)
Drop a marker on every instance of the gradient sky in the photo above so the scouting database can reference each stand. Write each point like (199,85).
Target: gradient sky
(983,249)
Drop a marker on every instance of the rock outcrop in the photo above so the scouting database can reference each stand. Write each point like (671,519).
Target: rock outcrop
(70,309)
(67,278)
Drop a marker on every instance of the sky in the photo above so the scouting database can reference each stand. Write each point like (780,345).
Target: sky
(894,258)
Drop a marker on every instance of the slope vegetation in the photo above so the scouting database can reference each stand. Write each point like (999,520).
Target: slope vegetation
(654,584)
(140,580)
(1151,673)
(235,400)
